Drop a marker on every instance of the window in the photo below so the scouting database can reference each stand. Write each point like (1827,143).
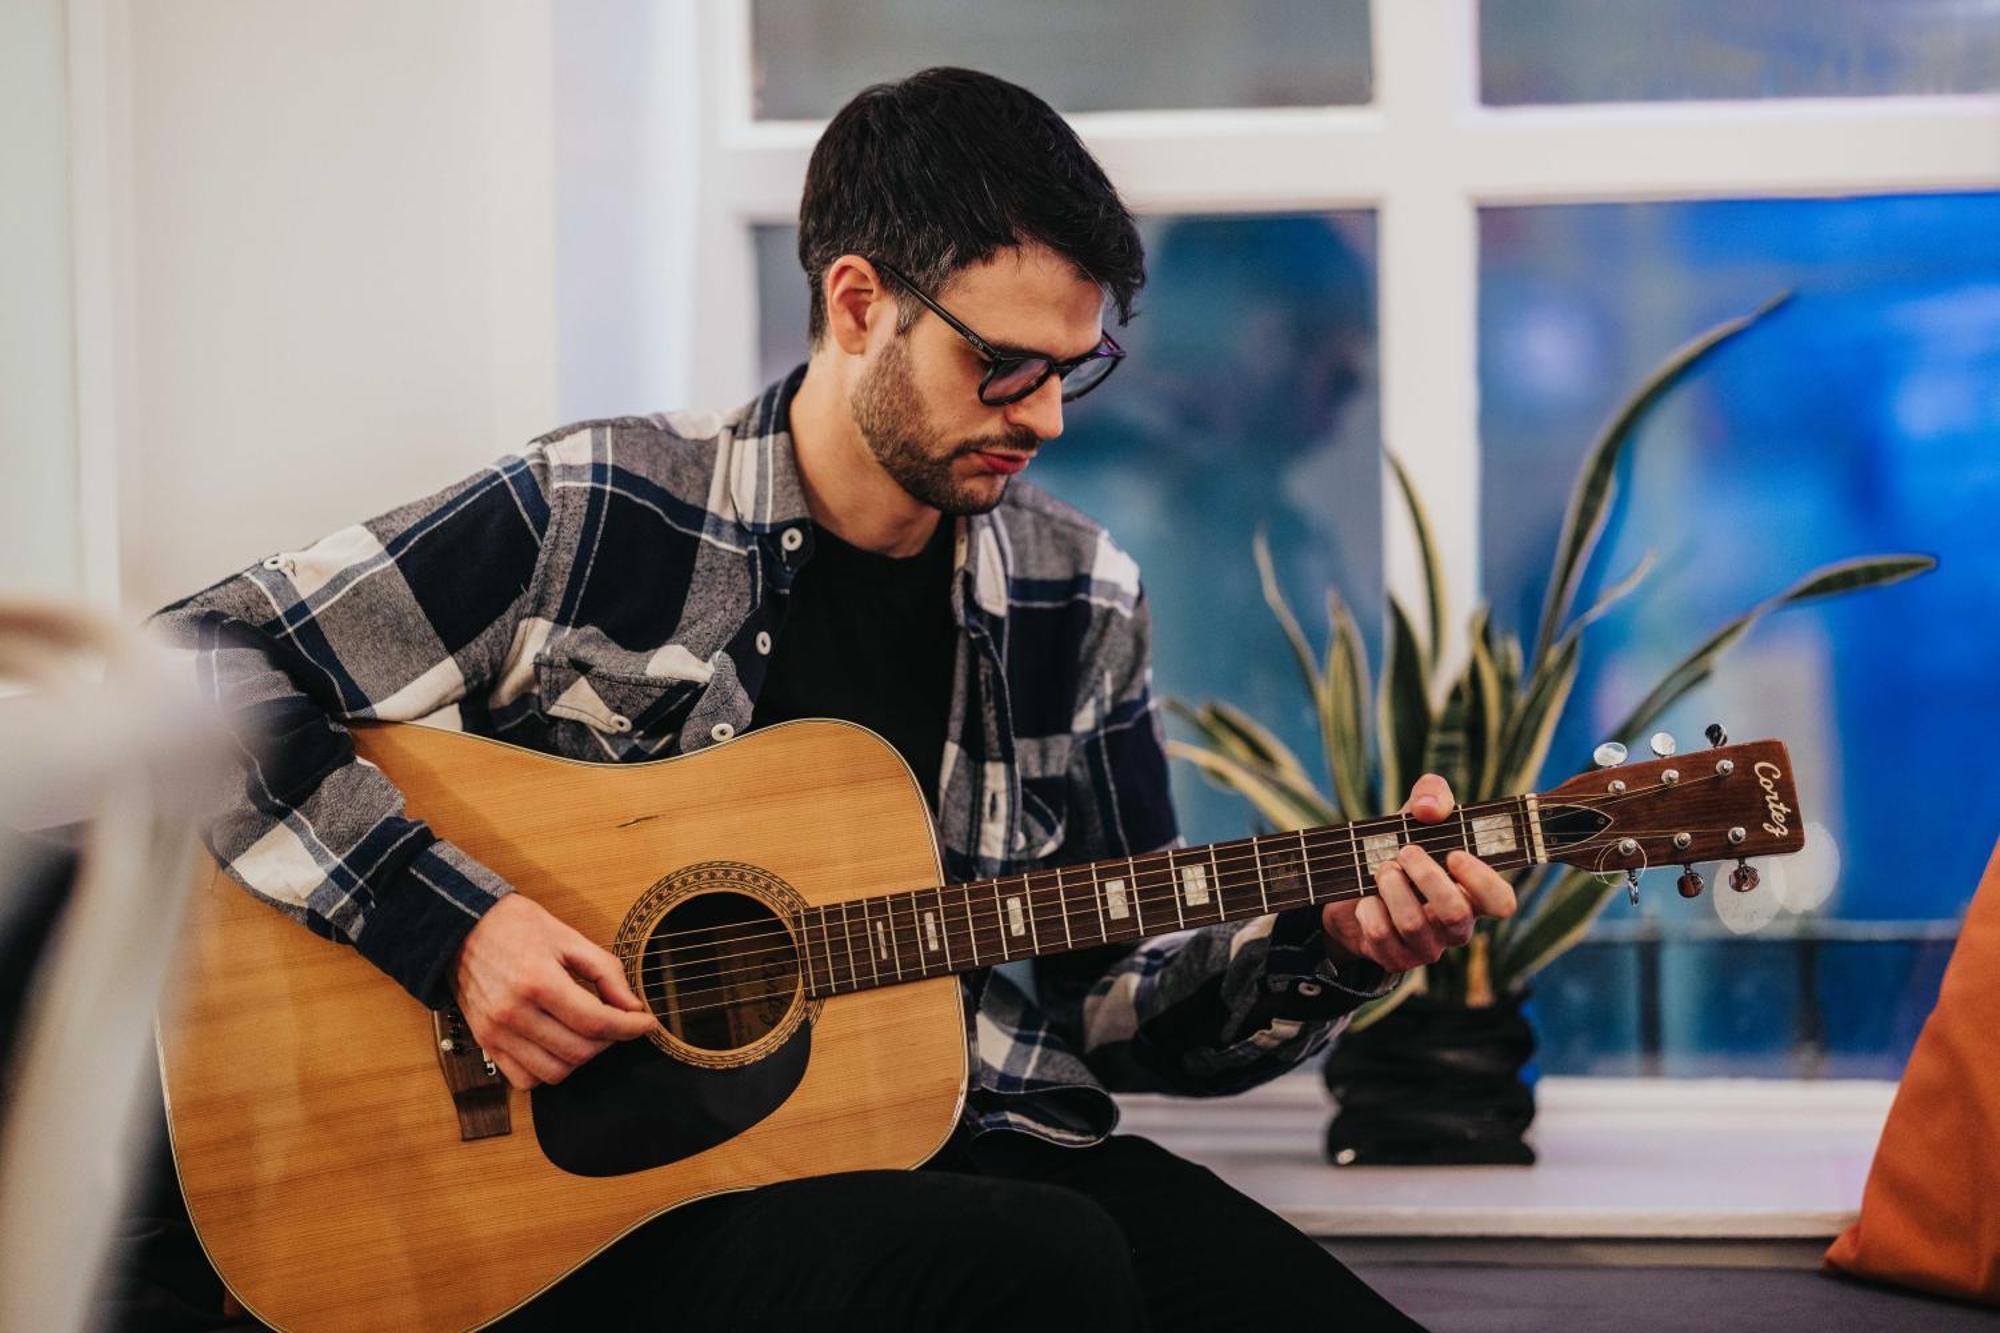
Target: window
(1526,252)
(1109,55)
(1542,51)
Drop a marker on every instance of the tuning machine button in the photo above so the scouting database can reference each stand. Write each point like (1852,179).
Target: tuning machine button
(1744,878)
(1609,755)
(1690,882)
(1663,743)
(1716,735)
(1632,886)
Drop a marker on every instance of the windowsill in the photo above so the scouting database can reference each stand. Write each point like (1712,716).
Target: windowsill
(1620,1158)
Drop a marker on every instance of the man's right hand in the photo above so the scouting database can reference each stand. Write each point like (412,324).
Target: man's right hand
(542,999)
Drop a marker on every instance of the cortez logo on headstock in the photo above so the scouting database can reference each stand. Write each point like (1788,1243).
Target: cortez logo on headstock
(1768,777)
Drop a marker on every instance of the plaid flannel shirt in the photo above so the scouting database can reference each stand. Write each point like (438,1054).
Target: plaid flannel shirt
(612,594)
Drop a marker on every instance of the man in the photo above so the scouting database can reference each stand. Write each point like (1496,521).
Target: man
(852,544)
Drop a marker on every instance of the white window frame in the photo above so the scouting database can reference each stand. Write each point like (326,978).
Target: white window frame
(1425,155)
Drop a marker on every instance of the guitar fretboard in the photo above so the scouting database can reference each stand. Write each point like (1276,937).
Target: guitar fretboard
(918,933)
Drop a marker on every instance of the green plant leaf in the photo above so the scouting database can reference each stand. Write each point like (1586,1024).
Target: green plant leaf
(1402,710)
(1293,783)
(1274,597)
(1534,723)
(1483,718)
(1596,483)
(1342,703)
(1285,810)
(1845,576)
(1420,523)
(1618,591)
(1568,908)
(1243,737)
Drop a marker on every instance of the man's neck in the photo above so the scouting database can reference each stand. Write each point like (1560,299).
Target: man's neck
(845,488)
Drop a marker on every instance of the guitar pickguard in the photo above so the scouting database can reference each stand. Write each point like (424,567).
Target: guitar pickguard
(635,1107)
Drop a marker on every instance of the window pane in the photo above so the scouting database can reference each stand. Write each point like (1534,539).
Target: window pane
(1108,55)
(1862,418)
(1248,397)
(38,503)
(1540,51)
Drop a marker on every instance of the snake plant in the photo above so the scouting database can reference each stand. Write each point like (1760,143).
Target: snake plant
(1486,724)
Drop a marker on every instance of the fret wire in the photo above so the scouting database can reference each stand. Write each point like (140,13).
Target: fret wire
(847,938)
(1216,892)
(944,929)
(1174,887)
(971,930)
(1465,829)
(805,953)
(1097,897)
(1138,898)
(1034,931)
(1062,904)
(1257,861)
(999,929)
(889,906)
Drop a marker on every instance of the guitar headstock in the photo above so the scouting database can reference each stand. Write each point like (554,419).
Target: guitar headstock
(1724,803)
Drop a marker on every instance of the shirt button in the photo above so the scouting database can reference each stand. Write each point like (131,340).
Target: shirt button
(1308,989)
(763,641)
(721,731)
(791,539)
(620,722)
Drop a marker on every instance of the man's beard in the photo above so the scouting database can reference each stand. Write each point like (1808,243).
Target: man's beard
(891,420)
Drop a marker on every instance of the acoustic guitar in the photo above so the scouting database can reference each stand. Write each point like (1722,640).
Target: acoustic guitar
(352,1161)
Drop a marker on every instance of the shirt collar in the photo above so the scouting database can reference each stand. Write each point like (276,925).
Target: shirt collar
(768,496)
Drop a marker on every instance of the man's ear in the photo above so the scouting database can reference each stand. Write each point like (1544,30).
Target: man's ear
(852,290)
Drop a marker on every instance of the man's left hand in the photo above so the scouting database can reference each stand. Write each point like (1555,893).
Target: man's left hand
(1419,908)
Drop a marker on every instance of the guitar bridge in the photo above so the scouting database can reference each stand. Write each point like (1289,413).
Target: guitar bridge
(478,1092)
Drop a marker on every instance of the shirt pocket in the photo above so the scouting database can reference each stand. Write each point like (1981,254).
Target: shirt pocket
(611,702)
(1044,817)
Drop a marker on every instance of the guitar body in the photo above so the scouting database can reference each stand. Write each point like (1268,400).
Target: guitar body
(318,1143)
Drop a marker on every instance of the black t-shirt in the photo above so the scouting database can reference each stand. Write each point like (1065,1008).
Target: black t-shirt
(869,638)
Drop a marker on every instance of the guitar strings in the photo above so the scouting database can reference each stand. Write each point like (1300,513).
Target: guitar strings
(1431,837)
(1355,833)
(783,938)
(669,991)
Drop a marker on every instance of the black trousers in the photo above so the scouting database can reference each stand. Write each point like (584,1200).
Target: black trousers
(1004,1231)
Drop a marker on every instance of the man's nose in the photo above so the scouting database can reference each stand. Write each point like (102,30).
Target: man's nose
(1040,412)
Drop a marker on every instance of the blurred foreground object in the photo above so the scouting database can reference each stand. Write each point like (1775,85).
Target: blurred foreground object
(101,739)
(1927,1217)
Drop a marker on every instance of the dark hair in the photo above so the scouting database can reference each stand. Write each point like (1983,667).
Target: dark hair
(941,170)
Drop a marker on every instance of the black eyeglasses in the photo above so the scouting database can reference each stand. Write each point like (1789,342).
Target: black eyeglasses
(1012,375)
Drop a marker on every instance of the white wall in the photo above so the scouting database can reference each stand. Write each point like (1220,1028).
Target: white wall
(341,290)
(38,507)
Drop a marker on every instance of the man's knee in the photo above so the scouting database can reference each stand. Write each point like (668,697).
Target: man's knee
(1062,1254)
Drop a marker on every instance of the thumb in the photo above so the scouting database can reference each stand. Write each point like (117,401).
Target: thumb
(602,970)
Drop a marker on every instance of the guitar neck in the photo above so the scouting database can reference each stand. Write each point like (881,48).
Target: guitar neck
(918,933)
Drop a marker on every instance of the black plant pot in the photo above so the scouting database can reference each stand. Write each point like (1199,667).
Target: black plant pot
(1433,1084)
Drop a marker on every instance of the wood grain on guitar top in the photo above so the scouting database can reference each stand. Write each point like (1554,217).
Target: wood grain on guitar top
(315,1138)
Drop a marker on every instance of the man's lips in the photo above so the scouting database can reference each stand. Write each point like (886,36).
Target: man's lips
(1006,464)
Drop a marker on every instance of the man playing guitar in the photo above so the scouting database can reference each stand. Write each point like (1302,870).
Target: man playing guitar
(855,544)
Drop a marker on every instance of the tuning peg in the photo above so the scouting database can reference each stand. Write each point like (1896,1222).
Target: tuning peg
(1663,743)
(1609,755)
(1716,735)
(1690,882)
(1744,878)
(1632,886)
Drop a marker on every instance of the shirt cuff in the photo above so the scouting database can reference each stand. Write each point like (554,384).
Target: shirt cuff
(421,917)
(1302,982)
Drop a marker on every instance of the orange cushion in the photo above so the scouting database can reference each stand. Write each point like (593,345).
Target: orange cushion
(1930,1215)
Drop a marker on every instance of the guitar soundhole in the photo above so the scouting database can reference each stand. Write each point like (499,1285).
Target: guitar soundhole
(720,970)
